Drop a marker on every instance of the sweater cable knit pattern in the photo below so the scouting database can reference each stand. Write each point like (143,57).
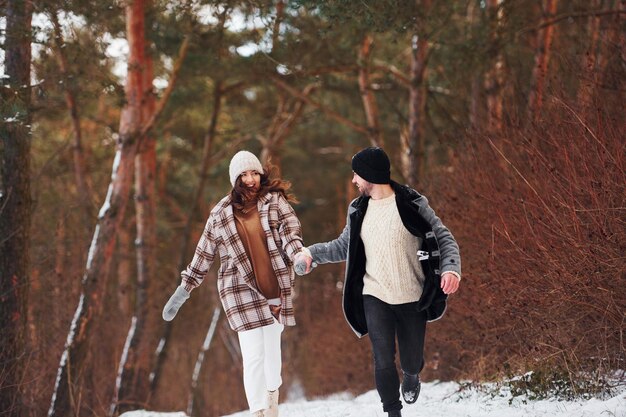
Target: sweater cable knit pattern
(393,272)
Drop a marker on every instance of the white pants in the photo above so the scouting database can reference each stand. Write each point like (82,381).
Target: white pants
(260,349)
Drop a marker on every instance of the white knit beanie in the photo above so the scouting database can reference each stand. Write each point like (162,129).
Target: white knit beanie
(241,162)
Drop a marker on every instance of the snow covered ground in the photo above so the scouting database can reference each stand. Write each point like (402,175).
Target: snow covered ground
(439,400)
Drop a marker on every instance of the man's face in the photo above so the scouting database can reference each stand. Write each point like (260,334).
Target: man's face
(364,187)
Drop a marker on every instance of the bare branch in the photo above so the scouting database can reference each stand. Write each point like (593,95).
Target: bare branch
(398,75)
(565,16)
(330,113)
(280,11)
(182,53)
(369,100)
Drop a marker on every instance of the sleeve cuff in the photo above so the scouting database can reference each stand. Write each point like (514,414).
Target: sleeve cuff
(456,274)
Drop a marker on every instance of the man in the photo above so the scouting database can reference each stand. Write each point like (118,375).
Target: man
(402,263)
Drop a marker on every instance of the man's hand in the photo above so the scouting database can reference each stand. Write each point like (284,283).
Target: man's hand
(302,263)
(449,283)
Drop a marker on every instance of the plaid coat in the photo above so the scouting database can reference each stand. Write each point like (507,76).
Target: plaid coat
(246,308)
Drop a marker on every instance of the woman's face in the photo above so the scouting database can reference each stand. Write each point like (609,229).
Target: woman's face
(251,180)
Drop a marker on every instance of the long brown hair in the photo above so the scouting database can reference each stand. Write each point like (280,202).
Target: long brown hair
(270,182)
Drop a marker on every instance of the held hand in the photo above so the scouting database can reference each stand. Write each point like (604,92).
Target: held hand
(449,283)
(302,263)
(173,304)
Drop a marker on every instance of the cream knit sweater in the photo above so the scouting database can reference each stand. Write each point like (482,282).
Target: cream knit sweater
(393,273)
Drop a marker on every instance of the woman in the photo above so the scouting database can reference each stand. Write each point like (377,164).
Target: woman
(256,234)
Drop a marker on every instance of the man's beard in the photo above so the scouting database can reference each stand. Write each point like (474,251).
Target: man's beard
(365,190)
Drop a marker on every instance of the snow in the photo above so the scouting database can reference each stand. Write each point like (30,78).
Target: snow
(123,360)
(92,248)
(107,201)
(441,399)
(64,357)
(158,351)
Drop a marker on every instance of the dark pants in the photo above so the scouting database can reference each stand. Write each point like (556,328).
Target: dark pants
(384,323)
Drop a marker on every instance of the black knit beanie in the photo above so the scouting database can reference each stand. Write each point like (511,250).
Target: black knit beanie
(372,164)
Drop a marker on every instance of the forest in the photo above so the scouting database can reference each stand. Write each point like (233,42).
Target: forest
(119,119)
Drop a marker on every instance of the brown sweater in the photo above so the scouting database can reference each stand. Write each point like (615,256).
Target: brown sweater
(254,241)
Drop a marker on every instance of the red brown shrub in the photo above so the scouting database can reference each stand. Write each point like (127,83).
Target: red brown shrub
(540,215)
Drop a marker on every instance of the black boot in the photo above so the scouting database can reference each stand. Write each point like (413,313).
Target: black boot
(394,413)
(410,387)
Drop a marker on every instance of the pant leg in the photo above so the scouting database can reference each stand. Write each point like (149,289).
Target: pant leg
(381,326)
(273,357)
(252,352)
(411,334)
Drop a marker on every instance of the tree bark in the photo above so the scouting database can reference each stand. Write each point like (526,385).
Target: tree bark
(612,53)
(132,381)
(15,205)
(60,269)
(160,353)
(494,74)
(72,364)
(280,11)
(542,60)
(589,78)
(207,150)
(83,187)
(208,158)
(475,87)
(200,361)
(287,114)
(330,113)
(124,268)
(369,100)
(417,105)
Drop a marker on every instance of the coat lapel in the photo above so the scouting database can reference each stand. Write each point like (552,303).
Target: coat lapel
(234,246)
(278,263)
(263,207)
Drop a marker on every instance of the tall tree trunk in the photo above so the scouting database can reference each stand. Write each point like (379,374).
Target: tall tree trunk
(330,113)
(15,205)
(369,100)
(83,187)
(60,268)
(417,104)
(209,138)
(494,74)
(542,59)
(612,53)
(72,364)
(200,361)
(160,353)
(475,86)
(589,72)
(287,114)
(475,91)
(269,147)
(132,380)
(208,157)
(124,268)
(280,12)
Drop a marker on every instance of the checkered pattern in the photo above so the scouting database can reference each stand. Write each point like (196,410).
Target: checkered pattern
(246,308)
